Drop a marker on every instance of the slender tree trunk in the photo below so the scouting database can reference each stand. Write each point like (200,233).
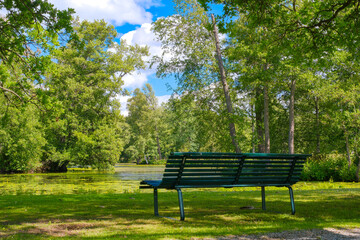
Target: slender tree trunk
(348,157)
(225,87)
(253,142)
(266,119)
(357,172)
(317,114)
(158,143)
(292,117)
(358,167)
(259,119)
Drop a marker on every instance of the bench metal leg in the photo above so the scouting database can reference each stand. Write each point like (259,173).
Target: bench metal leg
(263,197)
(292,201)
(156,206)
(181,204)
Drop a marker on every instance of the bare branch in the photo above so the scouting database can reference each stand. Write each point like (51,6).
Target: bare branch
(12,92)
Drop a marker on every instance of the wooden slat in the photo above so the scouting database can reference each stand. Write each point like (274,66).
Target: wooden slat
(255,161)
(204,161)
(230,182)
(201,170)
(266,165)
(248,155)
(242,178)
(204,165)
(201,174)
(264,173)
(268,161)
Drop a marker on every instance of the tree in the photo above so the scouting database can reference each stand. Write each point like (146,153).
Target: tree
(28,32)
(225,87)
(321,26)
(189,48)
(340,89)
(144,121)
(85,126)
(21,134)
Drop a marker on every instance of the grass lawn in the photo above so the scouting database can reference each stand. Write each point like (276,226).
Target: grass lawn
(209,213)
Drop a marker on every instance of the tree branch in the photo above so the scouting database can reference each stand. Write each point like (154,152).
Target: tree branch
(12,92)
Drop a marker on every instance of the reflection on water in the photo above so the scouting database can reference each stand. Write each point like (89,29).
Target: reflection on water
(139,173)
(125,178)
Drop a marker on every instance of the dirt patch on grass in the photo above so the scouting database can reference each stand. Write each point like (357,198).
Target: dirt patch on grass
(65,229)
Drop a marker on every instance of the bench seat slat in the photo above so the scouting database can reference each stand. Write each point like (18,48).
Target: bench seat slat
(233,173)
(246,165)
(168,170)
(248,156)
(255,161)
(233,170)
(242,178)
(203,165)
(201,174)
(229,182)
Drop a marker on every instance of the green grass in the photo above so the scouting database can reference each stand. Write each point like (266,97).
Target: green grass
(209,213)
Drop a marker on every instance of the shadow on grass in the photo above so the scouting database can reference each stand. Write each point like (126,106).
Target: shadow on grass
(214,213)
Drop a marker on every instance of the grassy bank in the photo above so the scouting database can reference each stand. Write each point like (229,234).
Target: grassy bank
(209,213)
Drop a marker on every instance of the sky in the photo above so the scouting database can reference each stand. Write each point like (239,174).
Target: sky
(132,20)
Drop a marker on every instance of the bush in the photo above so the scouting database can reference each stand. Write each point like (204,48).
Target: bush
(331,167)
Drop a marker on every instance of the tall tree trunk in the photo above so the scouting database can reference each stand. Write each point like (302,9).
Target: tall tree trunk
(358,172)
(259,119)
(292,117)
(158,142)
(347,146)
(253,139)
(317,114)
(358,167)
(226,88)
(266,119)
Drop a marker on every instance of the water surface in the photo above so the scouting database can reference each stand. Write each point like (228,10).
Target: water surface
(125,178)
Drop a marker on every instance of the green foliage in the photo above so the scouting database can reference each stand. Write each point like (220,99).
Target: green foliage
(188,47)
(21,137)
(28,30)
(332,167)
(85,126)
(315,27)
(201,123)
(269,45)
(146,127)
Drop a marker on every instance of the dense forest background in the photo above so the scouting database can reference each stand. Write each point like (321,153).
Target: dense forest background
(260,76)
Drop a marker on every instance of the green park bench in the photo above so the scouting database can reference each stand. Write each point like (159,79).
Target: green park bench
(206,170)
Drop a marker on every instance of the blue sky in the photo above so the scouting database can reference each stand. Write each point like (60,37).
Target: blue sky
(132,20)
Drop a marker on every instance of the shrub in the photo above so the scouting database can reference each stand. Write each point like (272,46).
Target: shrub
(328,167)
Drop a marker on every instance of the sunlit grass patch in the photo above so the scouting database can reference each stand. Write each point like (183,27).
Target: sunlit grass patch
(96,206)
(208,214)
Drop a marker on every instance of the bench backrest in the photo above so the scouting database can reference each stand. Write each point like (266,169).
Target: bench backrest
(231,169)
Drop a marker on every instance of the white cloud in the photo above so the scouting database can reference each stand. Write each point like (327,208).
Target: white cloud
(117,12)
(123,100)
(143,36)
(163,99)
(135,80)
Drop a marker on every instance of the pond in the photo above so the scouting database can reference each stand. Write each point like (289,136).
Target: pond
(125,178)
